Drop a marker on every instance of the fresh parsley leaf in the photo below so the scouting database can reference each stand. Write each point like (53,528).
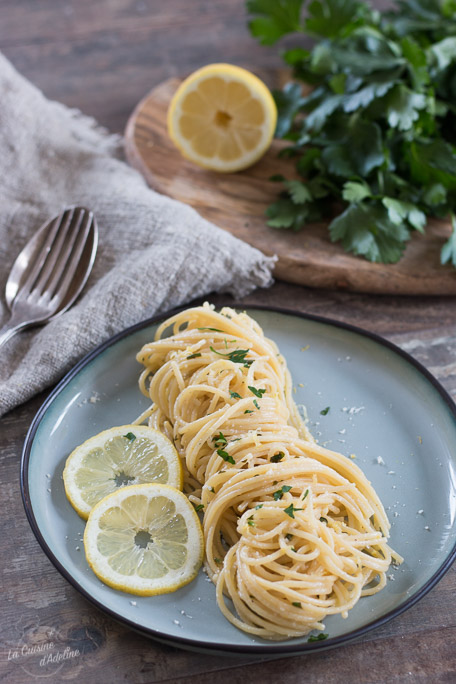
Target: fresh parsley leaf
(325,411)
(194,356)
(319,637)
(256,404)
(328,18)
(299,193)
(235,395)
(251,521)
(289,536)
(275,18)
(448,253)
(236,356)
(355,191)
(297,604)
(226,456)
(248,411)
(324,520)
(280,492)
(258,506)
(289,101)
(417,63)
(286,214)
(362,98)
(399,211)
(199,507)
(130,436)
(402,107)
(435,194)
(277,457)
(366,230)
(444,52)
(360,152)
(220,440)
(290,510)
(257,392)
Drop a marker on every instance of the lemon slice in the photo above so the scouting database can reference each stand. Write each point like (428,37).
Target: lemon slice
(120,456)
(144,539)
(222,117)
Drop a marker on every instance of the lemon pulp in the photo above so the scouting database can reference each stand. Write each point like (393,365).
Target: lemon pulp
(222,117)
(120,456)
(144,539)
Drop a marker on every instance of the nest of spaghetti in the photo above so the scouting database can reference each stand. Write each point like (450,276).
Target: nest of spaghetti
(293,532)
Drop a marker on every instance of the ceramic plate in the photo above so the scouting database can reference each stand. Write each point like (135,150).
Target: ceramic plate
(384,408)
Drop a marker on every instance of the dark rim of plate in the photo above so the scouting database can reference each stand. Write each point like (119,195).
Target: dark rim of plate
(196,644)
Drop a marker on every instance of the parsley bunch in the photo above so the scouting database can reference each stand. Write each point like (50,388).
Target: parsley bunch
(376,135)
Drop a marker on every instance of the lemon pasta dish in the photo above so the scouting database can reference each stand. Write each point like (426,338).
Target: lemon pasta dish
(293,531)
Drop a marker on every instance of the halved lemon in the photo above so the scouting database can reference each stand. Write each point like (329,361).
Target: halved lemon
(222,117)
(144,539)
(120,456)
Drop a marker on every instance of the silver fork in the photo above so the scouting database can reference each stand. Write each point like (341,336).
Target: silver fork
(51,270)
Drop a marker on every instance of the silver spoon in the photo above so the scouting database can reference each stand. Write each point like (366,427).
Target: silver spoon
(51,270)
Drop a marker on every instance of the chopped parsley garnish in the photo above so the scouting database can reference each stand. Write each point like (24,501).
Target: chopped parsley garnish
(218,560)
(248,411)
(324,411)
(199,507)
(211,489)
(211,329)
(220,440)
(256,404)
(258,506)
(290,510)
(235,395)
(319,637)
(280,492)
(325,520)
(236,356)
(305,494)
(277,457)
(251,521)
(297,604)
(257,392)
(293,549)
(130,436)
(226,457)
(289,536)
(194,356)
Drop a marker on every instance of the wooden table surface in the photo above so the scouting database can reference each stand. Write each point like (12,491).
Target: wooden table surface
(102,57)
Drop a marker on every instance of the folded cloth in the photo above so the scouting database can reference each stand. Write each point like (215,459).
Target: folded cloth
(154,253)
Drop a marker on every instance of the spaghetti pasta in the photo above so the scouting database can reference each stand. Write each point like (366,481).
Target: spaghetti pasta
(293,531)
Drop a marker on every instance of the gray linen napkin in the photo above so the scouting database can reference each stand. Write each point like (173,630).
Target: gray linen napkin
(154,253)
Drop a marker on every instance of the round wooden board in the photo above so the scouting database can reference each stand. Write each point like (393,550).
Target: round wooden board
(237,202)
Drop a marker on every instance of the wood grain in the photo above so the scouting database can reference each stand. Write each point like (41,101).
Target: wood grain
(237,203)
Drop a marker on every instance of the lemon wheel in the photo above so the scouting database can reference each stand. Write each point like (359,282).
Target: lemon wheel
(120,456)
(144,539)
(222,117)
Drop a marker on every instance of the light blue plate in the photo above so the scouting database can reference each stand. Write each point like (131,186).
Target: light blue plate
(383,407)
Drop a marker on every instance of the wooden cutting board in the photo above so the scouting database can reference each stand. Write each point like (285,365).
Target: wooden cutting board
(236,203)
